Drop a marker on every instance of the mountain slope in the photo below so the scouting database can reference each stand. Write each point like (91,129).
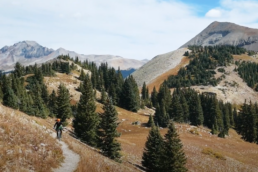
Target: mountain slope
(30,52)
(225,33)
(158,65)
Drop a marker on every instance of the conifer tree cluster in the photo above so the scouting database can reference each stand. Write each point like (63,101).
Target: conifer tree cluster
(248,71)
(34,99)
(203,62)
(186,105)
(124,93)
(163,154)
(247,122)
(94,129)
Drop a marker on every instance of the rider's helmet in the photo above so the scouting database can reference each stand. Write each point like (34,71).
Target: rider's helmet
(58,120)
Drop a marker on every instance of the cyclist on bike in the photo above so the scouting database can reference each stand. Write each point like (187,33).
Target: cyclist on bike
(58,127)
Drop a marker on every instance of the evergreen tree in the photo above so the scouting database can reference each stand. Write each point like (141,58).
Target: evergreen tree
(129,98)
(108,132)
(150,121)
(226,120)
(10,99)
(144,91)
(176,111)
(195,109)
(151,158)
(64,110)
(86,121)
(235,116)
(103,96)
(52,104)
(173,157)
(154,98)
(161,117)
(185,108)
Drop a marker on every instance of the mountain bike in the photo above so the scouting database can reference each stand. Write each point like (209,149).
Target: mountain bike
(59,135)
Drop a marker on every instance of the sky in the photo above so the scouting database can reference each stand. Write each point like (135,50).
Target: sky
(135,29)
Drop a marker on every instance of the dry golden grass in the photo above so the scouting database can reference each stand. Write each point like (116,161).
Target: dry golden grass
(91,160)
(244,57)
(159,80)
(240,155)
(24,145)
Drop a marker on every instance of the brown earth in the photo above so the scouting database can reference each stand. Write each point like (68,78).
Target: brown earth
(159,80)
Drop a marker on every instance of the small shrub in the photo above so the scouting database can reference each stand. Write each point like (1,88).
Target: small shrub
(222,70)
(209,151)
(194,131)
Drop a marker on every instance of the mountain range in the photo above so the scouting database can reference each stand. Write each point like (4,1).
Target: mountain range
(217,33)
(30,52)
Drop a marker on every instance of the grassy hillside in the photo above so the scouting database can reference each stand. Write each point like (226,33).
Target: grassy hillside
(204,152)
(25,144)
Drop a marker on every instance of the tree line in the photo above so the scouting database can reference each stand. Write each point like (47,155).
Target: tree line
(203,62)
(186,105)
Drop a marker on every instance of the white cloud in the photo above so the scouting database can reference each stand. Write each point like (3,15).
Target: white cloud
(213,13)
(129,28)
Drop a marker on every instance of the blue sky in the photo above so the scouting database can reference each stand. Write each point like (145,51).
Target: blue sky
(202,5)
(138,29)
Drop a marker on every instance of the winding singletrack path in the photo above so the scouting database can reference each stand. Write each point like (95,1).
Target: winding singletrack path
(71,159)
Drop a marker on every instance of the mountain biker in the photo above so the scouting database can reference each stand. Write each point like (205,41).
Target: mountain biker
(58,127)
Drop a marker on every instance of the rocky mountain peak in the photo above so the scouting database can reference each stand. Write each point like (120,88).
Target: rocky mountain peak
(226,33)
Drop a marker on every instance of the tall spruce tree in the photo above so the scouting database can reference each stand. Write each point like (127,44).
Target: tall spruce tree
(64,110)
(130,98)
(52,104)
(195,109)
(151,158)
(176,110)
(86,121)
(154,97)
(144,91)
(108,132)
(173,157)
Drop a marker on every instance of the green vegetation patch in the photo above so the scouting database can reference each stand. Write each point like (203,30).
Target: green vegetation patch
(209,151)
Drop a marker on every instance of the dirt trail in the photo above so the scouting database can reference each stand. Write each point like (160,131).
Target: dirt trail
(71,159)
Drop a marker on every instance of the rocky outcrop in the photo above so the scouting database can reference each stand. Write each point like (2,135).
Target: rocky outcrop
(158,65)
(225,33)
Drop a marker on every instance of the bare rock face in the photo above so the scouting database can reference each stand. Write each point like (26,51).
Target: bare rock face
(158,65)
(225,33)
(23,52)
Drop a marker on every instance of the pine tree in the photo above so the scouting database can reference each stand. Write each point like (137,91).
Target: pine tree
(235,116)
(173,157)
(154,98)
(185,108)
(64,110)
(176,111)
(144,91)
(86,121)
(52,104)
(103,96)
(161,117)
(108,132)
(129,98)
(195,109)
(150,121)
(10,99)
(151,158)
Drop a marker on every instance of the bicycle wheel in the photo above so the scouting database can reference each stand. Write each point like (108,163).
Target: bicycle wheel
(59,135)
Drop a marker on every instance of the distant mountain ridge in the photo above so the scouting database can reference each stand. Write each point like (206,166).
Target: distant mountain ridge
(30,52)
(226,33)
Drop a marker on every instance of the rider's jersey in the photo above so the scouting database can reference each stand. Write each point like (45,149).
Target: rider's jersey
(58,126)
